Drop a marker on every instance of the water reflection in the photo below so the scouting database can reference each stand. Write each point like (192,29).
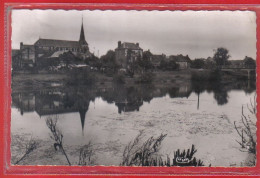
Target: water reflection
(221,90)
(60,100)
(114,113)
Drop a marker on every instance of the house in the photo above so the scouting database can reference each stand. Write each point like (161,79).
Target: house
(29,55)
(24,57)
(236,64)
(157,58)
(182,61)
(126,53)
(16,59)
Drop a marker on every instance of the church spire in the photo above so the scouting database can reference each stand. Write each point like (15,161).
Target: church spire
(82,113)
(82,40)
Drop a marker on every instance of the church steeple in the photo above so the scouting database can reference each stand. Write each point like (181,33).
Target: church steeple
(82,40)
(82,113)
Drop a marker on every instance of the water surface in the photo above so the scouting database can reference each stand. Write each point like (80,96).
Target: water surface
(111,117)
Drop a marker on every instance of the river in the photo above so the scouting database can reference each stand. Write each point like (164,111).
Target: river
(109,118)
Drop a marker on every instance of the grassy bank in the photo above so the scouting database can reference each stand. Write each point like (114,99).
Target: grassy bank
(159,78)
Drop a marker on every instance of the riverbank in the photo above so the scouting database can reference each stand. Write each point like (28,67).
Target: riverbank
(25,81)
(37,81)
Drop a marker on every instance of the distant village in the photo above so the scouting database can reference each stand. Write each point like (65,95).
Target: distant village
(56,55)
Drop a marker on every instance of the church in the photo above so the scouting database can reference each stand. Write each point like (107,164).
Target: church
(44,49)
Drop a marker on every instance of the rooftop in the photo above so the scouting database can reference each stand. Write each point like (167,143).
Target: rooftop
(127,45)
(57,43)
(180,58)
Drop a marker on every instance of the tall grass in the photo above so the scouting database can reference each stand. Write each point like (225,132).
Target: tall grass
(247,129)
(30,147)
(86,154)
(138,153)
(56,136)
(142,155)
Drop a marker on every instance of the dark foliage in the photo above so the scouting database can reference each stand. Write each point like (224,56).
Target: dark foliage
(168,65)
(93,61)
(185,158)
(221,56)
(146,63)
(109,61)
(206,75)
(68,58)
(147,154)
(119,78)
(81,77)
(198,64)
(142,155)
(145,77)
(249,62)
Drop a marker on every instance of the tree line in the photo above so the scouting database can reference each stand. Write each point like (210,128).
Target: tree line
(143,64)
(220,59)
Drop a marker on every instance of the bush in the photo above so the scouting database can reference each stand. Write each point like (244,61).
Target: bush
(198,64)
(142,155)
(168,65)
(147,154)
(206,75)
(185,158)
(119,78)
(146,77)
(81,77)
(215,75)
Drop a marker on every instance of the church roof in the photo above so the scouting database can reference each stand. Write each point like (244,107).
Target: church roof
(57,43)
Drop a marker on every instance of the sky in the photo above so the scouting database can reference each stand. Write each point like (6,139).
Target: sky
(193,33)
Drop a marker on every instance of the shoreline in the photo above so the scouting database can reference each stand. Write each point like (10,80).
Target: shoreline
(161,79)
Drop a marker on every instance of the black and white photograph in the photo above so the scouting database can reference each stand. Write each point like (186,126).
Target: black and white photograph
(133,88)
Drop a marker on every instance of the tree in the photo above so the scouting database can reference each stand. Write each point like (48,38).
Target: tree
(198,64)
(163,65)
(68,58)
(108,57)
(168,65)
(94,61)
(249,62)
(147,55)
(109,60)
(145,62)
(221,56)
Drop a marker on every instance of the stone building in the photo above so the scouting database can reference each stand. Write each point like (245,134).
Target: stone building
(24,57)
(29,55)
(126,53)
(157,58)
(182,61)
